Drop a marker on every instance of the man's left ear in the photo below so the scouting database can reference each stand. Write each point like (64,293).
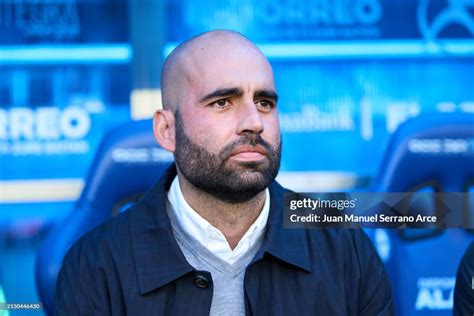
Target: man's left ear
(164,129)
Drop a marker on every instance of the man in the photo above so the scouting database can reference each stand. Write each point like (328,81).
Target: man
(464,289)
(209,238)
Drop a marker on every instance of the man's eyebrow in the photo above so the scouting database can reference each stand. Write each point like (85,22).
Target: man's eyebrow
(225,92)
(269,94)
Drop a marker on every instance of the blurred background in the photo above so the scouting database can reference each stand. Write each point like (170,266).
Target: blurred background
(348,73)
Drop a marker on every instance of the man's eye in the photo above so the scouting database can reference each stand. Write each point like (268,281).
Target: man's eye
(265,104)
(221,103)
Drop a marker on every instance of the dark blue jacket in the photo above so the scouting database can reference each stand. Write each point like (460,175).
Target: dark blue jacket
(132,265)
(464,289)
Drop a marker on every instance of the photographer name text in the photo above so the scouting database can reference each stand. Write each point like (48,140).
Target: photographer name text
(351,218)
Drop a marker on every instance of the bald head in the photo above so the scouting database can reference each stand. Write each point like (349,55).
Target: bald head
(186,63)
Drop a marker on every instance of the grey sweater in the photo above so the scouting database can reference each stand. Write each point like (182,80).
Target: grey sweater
(227,279)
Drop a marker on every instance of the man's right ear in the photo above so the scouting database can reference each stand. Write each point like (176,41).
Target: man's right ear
(164,129)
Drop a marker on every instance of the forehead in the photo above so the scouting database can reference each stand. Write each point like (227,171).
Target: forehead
(224,66)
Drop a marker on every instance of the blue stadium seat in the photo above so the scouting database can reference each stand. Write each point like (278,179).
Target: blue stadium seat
(128,162)
(428,153)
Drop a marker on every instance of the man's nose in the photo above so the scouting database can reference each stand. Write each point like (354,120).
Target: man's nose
(250,119)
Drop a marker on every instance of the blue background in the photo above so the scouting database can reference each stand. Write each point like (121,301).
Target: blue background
(342,91)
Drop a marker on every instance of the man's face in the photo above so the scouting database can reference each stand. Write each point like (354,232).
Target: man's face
(228,141)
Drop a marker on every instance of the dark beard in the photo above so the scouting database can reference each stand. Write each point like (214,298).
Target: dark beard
(229,181)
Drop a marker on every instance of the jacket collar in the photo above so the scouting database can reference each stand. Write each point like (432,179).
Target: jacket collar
(158,258)
(287,244)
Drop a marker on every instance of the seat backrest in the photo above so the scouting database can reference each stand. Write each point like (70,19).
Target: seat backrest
(128,162)
(435,149)
(433,152)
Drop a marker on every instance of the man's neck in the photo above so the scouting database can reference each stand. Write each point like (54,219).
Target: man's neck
(233,220)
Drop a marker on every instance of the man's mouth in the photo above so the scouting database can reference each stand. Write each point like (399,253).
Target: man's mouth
(249,153)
